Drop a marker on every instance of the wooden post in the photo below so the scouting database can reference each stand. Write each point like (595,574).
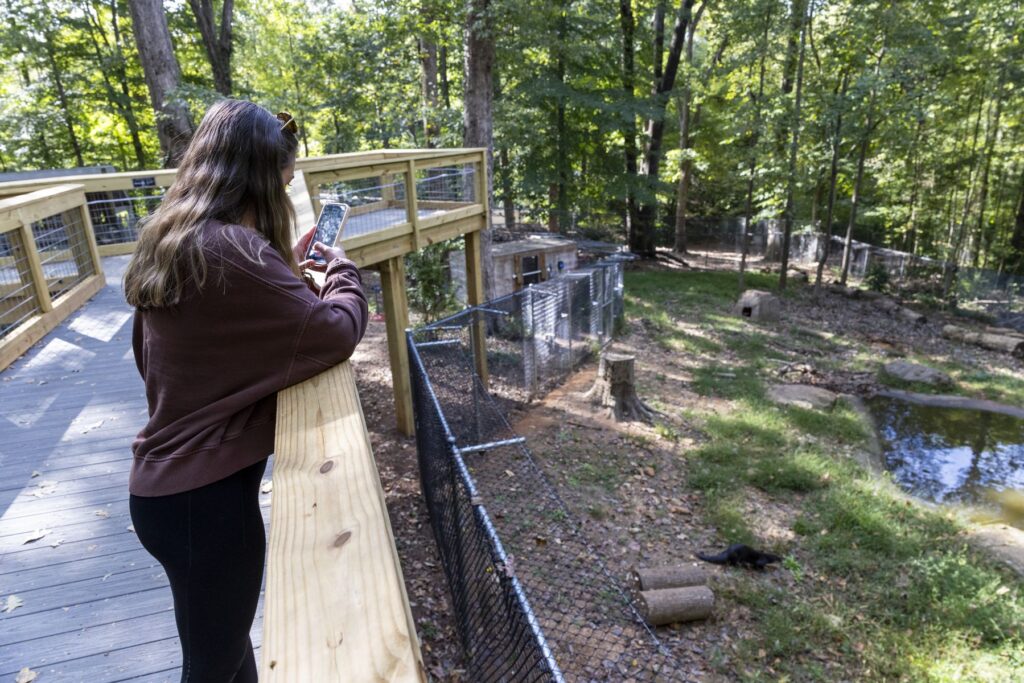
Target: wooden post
(411,210)
(474,297)
(335,608)
(313,190)
(35,267)
(396,320)
(90,237)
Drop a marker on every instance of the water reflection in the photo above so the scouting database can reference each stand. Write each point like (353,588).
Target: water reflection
(949,455)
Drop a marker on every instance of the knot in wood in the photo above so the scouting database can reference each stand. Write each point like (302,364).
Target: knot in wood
(327,467)
(342,538)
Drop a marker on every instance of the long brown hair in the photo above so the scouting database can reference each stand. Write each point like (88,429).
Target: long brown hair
(230,172)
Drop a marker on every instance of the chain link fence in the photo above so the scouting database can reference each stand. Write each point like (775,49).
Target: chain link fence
(999,293)
(532,599)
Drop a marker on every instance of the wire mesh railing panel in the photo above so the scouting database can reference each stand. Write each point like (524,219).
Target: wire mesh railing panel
(377,203)
(18,300)
(115,215)
(568,616)
(446,184)
(63,247)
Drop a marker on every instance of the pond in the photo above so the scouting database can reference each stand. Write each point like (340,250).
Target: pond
(949,455)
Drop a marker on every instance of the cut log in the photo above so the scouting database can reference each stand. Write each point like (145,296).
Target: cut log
(673,605)
(670,576)
(995,342)
(887,304)
(615,389)
(1005,331)
(848,292)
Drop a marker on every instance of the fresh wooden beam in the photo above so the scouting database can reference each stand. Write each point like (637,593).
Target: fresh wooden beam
(396,320)
(336,609)
(474,297)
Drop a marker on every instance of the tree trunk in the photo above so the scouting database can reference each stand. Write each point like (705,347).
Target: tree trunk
(833,176)
(628,24)
(787,229)
(854,203)
(121,100)
(642,240)
(990,143)
(428,90)
(508,199)
(217,41)
(748,205)
(561,207)
(685,119)
(173,125)
(1017,238)
(62,97)
(442,68)
(477,116)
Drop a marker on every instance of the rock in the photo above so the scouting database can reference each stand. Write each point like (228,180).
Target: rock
(802,396)
(798,276)
(912,372)
(757,305)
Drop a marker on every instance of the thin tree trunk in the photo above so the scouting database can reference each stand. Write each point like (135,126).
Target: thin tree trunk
(854,204)
(217,40)
(442,68)
(794,148)
(685,120)
(62,96)
(508,198)
(561,221)
(1017,238)
(833,175)
(120,100)
(980,231)
(173,125)
(748,205)
(428,90)
(477,114)
(628,25)
(952,264)
(642,240)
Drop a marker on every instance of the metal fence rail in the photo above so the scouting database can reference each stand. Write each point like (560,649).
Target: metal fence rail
(532,600)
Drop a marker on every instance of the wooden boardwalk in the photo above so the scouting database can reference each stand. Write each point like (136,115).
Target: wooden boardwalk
(93,605)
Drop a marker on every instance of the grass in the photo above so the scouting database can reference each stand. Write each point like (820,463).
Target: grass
(886,589)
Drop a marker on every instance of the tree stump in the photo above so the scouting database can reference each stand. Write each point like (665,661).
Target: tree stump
(672,605)
(615,389)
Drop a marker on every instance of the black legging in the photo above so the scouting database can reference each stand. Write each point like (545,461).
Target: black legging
(212,544)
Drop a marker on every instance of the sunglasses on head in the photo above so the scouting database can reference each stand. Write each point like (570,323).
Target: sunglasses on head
(288,122)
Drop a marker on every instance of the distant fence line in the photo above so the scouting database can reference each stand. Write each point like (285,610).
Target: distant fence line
(525,609)
(903,268)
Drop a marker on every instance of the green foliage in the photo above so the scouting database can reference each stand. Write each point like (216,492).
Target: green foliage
(430,288)
(877,277)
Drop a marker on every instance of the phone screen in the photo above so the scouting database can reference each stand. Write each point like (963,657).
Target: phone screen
(328,227)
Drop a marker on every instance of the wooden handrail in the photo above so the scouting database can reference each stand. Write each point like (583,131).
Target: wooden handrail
(335,609)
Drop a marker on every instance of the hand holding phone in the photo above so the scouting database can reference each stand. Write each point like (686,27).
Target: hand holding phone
(329,228)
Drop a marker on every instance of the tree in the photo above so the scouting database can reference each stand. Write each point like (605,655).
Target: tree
(216,40)
(174,126)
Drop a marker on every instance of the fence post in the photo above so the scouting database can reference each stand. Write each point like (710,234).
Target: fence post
(396,320)
(28,241)
(474,297)
(412,212)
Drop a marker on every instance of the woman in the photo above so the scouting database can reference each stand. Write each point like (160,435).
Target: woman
(223,322)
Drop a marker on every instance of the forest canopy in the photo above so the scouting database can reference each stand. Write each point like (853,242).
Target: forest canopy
(900,119)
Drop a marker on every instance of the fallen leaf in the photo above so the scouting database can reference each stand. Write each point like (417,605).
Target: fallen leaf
(57,543)
(102,513)
(36,474)
(93,426)
(35,536)
(13,603)
(268,486)
(26,675)
(131,528)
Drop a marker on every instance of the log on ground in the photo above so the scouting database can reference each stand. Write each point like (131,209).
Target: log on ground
(994,342)
(669,576)
(674,605)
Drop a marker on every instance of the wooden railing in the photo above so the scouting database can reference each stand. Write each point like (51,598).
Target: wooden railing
(396,210)
(335,608)
(49,264)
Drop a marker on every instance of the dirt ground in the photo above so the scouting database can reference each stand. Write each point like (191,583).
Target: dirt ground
(626,483)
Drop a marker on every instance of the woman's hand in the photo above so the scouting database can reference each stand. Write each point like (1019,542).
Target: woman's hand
(302,246)
(325,252)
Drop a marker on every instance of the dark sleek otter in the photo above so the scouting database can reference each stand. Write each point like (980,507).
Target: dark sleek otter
(739,554)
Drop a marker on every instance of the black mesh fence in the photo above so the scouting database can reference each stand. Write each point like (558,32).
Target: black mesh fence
(532,599)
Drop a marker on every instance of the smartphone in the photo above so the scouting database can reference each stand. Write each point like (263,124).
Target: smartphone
(329,227)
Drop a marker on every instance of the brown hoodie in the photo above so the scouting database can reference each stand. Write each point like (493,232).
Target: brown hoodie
(213,364)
